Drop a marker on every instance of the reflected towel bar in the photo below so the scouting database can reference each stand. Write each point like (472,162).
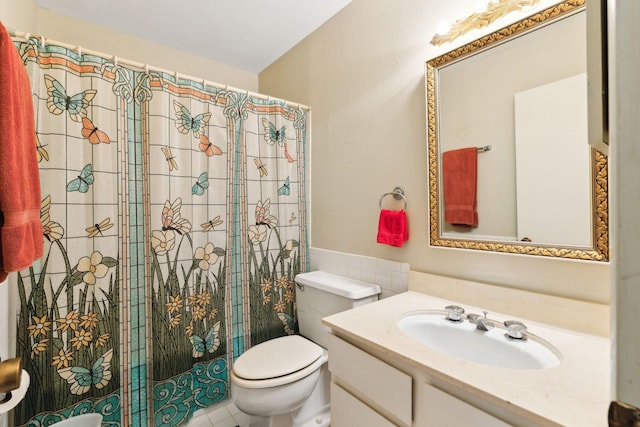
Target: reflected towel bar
(482,149)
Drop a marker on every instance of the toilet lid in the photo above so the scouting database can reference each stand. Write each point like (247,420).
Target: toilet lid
(276,358)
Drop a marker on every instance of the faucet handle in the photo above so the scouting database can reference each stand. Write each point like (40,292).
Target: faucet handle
(515,329)
(454,313)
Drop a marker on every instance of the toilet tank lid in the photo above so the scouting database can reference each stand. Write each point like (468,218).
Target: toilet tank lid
(339,285)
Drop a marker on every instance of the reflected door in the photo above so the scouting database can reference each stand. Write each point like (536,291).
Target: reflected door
(552,163)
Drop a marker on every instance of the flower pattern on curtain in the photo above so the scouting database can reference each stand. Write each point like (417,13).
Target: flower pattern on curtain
(174,223)
(68,325)
(272,193)
(188,144)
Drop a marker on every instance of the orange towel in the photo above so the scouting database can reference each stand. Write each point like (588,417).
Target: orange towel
(459,175)
(392,228)
(20,226)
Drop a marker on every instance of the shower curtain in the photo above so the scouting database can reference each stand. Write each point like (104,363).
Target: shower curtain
(174,223)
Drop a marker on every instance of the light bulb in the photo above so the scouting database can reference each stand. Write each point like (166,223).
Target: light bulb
(443,27)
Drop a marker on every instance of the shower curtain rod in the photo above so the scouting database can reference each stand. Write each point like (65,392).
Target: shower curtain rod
(147,68)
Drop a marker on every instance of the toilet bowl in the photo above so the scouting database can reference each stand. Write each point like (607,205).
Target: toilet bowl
(284,382)
(84,420)
(277,376)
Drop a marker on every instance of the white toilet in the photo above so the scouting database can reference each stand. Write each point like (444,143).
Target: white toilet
(285,381)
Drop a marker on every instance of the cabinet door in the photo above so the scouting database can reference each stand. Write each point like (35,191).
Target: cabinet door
(347,411)
(383,386)
(445,410)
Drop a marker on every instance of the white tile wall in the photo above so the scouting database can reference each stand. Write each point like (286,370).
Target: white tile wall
(4,333)
(391,276)
(4,320)
(9,307)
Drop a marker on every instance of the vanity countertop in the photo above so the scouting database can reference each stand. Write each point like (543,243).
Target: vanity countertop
(574,393)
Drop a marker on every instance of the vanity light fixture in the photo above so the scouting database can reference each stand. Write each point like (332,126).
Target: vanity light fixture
(481,18)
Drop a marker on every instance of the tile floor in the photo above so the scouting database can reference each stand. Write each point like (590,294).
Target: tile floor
(225,414)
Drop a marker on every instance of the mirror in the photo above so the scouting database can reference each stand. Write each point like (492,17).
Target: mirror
(540,188)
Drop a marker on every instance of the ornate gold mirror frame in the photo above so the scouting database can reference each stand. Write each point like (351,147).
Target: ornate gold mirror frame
(600,235)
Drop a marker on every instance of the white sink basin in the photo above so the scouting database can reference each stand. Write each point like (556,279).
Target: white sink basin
(462,339)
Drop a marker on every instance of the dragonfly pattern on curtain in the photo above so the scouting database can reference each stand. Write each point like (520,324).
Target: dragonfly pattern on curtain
(68,320)
(174,223)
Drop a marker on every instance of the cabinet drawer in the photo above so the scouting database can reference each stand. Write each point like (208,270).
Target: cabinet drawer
(378,384)
(445,410)
(347,411)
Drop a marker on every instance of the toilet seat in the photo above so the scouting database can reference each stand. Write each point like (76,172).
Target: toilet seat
(278,361)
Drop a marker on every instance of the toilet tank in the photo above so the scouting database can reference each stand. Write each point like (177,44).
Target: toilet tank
(320,294)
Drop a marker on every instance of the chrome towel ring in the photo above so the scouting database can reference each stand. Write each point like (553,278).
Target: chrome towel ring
(398,194)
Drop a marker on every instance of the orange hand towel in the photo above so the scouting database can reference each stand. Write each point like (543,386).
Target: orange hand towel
(460,175)
(20,226)
(392,228)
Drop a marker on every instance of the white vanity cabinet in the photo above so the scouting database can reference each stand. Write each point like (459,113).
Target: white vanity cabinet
(381,375)
(380,386)
(347,410)
(369,391)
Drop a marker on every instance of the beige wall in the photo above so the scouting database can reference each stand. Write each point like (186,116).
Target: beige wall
(26,16)
(362,73)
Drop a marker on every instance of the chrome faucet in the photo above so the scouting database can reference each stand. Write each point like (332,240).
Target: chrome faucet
(454,313)
(481,322)
(515,330)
